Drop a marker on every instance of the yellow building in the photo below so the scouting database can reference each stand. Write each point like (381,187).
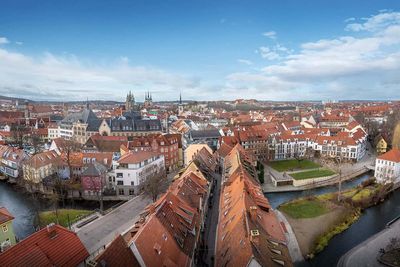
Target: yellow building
(380,145)
(7,236)
(191,151)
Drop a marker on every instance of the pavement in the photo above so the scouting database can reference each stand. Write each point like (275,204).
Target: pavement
(366,253)
(292,244)
(99,233)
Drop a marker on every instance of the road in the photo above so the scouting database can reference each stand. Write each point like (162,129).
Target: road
(102,231)
(365,254)
(208,249)
(97,234)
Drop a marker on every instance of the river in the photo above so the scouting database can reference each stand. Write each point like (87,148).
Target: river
(372,221)
(24,208)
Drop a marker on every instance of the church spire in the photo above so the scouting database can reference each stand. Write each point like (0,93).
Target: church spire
(87,102)
(180,98)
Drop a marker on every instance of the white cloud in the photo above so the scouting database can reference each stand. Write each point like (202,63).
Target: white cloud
(376,22)
(245,61)
(19,43)
(273,53)
(346,67)
(3,40)
(268,53)
(270,34)
(55,77)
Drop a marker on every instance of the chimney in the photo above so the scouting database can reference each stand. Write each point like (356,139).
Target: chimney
(51,230)
(253,213)
(255,237)
(152,209)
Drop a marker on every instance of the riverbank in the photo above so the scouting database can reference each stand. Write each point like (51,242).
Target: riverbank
(316,219)
(63,217)
(25,208)
(368,252)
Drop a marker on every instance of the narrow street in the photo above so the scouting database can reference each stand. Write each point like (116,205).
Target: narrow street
(207,251)
(102,231)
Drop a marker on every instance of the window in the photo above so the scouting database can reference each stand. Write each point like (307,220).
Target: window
(133,183)
(121,192)
(120,183)
(119,175)
(131,192)
(5,228)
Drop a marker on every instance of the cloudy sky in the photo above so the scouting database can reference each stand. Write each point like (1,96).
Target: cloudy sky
(208,50)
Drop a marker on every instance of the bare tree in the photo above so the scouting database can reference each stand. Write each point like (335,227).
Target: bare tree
(69,148)
(17,134)
(97,186)
(155,184)
(336,163)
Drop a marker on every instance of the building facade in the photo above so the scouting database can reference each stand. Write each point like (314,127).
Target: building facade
(387,167)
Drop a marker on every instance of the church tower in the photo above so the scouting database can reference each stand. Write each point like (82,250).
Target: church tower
(148,100)
(180,105)
(130,101)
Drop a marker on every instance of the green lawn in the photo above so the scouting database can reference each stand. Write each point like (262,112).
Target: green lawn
(47,217)
(312,174)
(304,208)
(293,164)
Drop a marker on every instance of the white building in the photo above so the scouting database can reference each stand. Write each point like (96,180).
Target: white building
(387,167)
(132,169)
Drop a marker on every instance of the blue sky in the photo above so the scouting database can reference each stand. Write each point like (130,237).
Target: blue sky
(209,50)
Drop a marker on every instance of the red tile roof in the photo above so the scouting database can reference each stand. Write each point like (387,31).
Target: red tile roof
(117,254)
(53,246)
(392,155)
(136,157)
(5,215)
(244,210)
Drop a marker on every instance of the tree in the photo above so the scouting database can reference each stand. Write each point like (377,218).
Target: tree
(392,128)
(155,184)
(396,137)
(54,200)
(336,164)
(69,148)
(35,142)
(17,134)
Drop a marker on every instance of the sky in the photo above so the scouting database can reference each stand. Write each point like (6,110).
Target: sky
(206,50)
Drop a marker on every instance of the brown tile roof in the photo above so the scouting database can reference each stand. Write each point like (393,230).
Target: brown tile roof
(224,150)
(136,157)
(54,247)
(42,159)
(117,254)
(392,155)
(166,238)
(5,215)
(248,229)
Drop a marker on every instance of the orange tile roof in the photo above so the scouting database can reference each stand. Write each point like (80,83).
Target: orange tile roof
(392,155)
(59,247)
(5,215)
(117,254)
(244,210)
(136,157)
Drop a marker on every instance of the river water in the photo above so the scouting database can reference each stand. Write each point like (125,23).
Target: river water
(25,208)
(22,207)
(372,221)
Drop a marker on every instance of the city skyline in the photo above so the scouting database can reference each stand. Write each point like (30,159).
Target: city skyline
(206,50)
